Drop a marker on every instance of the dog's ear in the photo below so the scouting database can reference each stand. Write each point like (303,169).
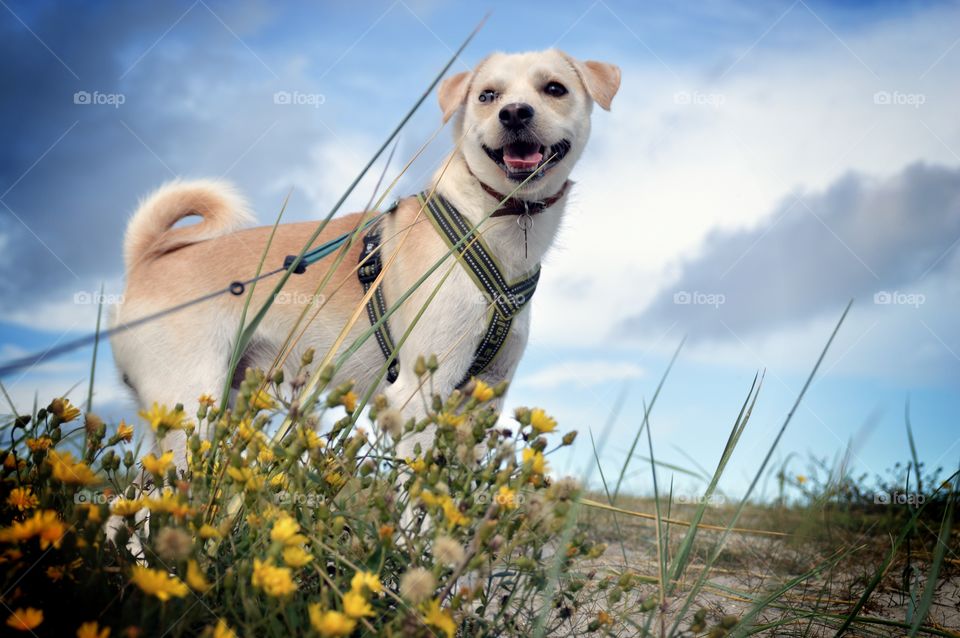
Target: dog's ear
(453,93)
(601,79)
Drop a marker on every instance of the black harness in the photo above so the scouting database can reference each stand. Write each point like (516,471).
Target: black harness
(506,299)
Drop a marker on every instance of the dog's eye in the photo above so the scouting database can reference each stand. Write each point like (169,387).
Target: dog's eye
(487,96)
(555,89)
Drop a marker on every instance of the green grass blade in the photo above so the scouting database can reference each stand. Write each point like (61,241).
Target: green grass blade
(93,358)
(646,415)
(913,446)
(943,540)
(882,569)
(698,585)
(686,546)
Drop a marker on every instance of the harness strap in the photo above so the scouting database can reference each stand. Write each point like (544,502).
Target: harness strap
(370,268)
(507,299)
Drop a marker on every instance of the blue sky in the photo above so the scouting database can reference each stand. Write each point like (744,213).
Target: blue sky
(763,164)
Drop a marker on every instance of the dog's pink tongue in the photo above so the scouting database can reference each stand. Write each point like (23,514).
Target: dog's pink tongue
(522,162)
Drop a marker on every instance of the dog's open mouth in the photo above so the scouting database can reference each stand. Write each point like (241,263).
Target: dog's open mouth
(521,159)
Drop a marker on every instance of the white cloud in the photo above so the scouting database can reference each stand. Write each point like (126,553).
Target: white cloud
(581,374)
(661,174)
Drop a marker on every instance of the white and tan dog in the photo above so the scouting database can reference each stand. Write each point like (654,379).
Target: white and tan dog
(511,114)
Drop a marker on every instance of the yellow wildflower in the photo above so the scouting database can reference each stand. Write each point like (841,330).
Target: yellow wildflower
(207,400)
(312,440)
(265,456)
(63,410)
(205,446)
(418,465)
(22,498)
(124,433)
(296,556)
(434,616)
(156,465)
(506,498)
(260,400)
(126,506)
(450,510)
(158,583)
(38,445)
(246,476)
(161,418)
(275,581)
(801,479)
(331,624)
(67,470)
(93,512)
(482,392)
(349,401)
(451,420)
(25,619)
(195,577)
(534,460)
(222,630)
(541,422)
(366,579)
(44,524)
(335,479)
(355,605)
(208,531)
(92,630)
(170,503)
(285,529)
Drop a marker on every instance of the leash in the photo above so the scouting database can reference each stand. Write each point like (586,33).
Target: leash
(235,288)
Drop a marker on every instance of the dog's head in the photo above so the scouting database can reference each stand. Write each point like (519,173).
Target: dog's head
(525,113)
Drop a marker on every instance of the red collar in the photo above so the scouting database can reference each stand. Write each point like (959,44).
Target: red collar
(516,206)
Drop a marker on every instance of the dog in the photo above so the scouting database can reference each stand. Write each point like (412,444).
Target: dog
(521,122)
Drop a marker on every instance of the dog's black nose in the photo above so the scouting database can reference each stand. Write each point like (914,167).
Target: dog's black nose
(517,115)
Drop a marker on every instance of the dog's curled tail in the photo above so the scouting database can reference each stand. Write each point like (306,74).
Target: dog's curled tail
(151,231)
